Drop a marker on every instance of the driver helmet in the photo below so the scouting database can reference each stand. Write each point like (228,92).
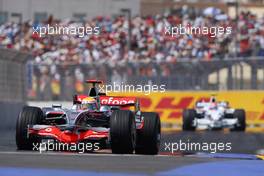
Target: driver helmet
(213,99)
(213,103)
(89,103)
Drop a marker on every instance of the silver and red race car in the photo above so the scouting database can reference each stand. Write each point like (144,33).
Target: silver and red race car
(98,120)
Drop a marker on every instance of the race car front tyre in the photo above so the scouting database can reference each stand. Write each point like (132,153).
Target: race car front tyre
(122,132)
(188,118)
(28,116)
(148,138)
(240,115)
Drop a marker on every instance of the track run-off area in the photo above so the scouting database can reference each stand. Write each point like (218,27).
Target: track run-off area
(244,158)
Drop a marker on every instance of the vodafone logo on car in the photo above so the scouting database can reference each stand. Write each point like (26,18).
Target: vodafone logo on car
(116,100)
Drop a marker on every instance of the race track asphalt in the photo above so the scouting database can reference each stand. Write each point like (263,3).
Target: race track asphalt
(105,162)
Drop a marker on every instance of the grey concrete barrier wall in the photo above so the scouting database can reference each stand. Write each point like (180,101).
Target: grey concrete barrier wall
(13,92)
(9,112)
(13,75)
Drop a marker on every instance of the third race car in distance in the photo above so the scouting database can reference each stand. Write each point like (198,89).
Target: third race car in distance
(213,115)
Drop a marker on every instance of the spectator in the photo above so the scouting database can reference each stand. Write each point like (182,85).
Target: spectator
(148,40)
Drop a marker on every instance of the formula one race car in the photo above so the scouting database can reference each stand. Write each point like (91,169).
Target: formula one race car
(214,115)
(96,119)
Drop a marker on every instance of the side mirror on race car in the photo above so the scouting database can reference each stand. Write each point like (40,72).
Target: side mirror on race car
(56,105)
(93,92)
(113,108)
(102,94)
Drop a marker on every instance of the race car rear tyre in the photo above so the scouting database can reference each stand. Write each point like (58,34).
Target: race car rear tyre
(28,116)
(122,132)
(148,138)
(188,118)
(240,115)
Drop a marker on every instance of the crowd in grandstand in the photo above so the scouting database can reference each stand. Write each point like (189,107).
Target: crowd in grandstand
(149,42)
(148,39)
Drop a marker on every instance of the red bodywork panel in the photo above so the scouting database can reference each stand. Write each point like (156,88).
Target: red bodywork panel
(111,101)
(118,101)
(68,136)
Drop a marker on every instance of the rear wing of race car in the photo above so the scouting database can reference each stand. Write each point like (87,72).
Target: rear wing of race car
(106,100)
(94,82)
(93,92)
(120,101)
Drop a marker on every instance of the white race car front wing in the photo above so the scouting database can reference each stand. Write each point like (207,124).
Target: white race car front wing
(204,123)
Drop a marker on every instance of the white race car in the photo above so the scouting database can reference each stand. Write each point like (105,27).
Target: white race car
(214,115)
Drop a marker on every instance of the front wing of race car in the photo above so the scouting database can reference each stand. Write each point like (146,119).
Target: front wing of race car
(205,123)
(70,135)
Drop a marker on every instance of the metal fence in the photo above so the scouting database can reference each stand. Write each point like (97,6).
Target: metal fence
(60,82)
